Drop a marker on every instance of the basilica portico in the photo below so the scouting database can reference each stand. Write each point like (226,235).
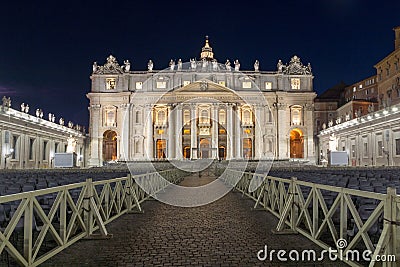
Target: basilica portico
(201,109)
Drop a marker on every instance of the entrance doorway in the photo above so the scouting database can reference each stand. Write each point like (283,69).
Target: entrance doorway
(247,148)
(186,152)
(109,145)
(161,147)
(222,152)
(296,143)
(205,148)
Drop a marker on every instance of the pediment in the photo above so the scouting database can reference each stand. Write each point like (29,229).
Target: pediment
(203,86)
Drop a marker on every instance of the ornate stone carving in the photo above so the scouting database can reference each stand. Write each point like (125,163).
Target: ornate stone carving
(150,65)
(172,64)
(127,65)
(237,65)
(203,86)
(295,67)
(256,66)
(228,65)
(193,64)
(111,67)
(180,64)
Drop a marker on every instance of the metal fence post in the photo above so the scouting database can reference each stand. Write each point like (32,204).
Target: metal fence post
(88,213)
(295,203)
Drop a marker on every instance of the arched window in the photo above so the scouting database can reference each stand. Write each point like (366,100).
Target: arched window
(137,117)
(186,116)
(161,117)
(137,146)
(204,116)
(247,116)
(222,116)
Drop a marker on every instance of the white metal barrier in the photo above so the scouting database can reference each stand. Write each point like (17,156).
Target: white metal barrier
(301,208)
(73,212)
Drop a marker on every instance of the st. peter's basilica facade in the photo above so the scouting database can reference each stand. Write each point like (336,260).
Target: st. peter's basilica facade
(201,109)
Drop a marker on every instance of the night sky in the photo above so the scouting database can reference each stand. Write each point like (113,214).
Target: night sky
(47,48)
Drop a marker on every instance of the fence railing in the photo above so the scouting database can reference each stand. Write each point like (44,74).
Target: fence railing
(65,214)
(328,214)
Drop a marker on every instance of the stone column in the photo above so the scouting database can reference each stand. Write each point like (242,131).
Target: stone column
(229,132)
(193,131)
(178,132)
(123,124)
(258,142)
(171,137)
(238,133)
(149,133)
(214,131)
(95,136)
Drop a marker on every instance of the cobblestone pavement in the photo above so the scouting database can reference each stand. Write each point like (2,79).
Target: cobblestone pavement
(224,233)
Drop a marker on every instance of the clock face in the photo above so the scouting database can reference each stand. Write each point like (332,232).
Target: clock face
(295,83)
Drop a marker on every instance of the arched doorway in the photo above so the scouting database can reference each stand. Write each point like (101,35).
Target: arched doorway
(296,143)
(204,148)
(247,148)
(109,145)
(222,152)
(161,146)
(186,152)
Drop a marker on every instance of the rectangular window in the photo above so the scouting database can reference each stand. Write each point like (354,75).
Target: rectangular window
(14,147)
(221,83)
(111,83)
(55,147)
(31,148)
(365,149)
(268,85)
(353,151)
(397,147)
(380,148)
(246,85)
(161,85)
(295,83)
(186,83)
(44,155)
(139,85)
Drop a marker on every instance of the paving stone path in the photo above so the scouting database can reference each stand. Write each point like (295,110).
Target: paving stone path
(224,233)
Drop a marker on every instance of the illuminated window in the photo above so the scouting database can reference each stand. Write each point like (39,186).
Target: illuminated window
(354,89)
(296,118)
(186,83)
(161,85)
(268,85)
(139,85)
(222,116)
(161,118)
(186,131)
(246,85)
(247,131)
(204,116)
(222,131)
(186,116)
(295,83)
(111,83)
(161,131)
(109,117)
(221,83)
(246,116)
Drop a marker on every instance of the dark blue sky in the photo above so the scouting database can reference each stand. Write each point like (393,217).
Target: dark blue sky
(47,48)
